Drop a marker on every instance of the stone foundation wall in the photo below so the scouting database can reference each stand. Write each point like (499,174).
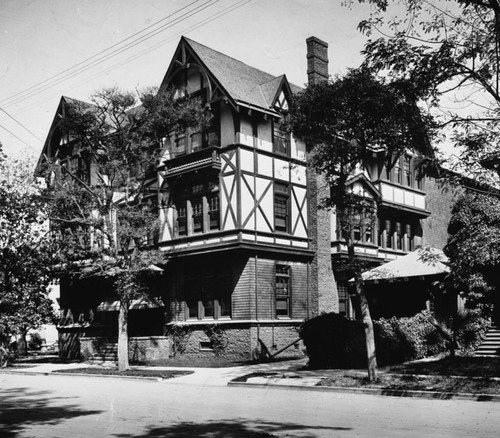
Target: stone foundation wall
(231,341)
(219,341)
(239,342)
(141,349)
(149,349)
(275,338)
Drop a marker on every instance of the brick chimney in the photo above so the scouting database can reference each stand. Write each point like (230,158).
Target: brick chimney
(325,294)
(317,60)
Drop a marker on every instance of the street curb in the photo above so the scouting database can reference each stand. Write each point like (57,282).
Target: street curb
(429,395)
(27,373)
(57,373)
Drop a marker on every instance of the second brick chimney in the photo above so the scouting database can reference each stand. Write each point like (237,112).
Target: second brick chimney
(317,60)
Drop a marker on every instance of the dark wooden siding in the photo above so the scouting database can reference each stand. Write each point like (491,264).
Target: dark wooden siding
(244,288)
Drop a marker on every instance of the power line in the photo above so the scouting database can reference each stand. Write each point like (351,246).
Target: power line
(15,136)
(20,124)
(96,54)
(158,45)
(185,31)
(155,47)
(69,73)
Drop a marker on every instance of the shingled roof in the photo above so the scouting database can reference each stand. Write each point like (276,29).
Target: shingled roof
(242,82)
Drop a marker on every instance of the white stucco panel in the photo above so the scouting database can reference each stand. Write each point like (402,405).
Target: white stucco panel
(281,169)
(409,198)
(264,190)
(298,174)
(298,149)
(228,222)
(399,195)
(265,165)
(246,160)
(247,201)
(299,212)
(168,223)
(387,193)
(264,145)
(420,201)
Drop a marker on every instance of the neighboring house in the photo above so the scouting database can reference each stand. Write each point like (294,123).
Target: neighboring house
(249,254)
(414,211)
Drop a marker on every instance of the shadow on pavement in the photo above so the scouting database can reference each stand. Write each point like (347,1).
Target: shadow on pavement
(21,408)
(232,429)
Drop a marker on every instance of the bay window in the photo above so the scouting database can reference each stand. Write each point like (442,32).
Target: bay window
(197,209)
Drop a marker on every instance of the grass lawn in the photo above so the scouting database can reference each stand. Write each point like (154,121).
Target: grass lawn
(414,383)
(460,374)
(453,366)
(101,371)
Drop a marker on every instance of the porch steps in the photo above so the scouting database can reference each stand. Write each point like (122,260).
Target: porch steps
(491,343)
(106,353)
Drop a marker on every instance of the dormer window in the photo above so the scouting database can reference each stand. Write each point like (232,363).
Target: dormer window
(282,102)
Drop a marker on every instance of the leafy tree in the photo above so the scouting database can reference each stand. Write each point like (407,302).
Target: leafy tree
(106,208)
(474,249)
(25,252)
(345,122)
(450,50)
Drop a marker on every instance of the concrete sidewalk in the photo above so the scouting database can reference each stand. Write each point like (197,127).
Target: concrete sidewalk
(280,375)
(199,376)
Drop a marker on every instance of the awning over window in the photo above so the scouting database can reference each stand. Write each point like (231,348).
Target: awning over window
(140,303)
(422,262)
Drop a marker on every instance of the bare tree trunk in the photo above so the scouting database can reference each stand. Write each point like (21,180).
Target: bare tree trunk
(22,344)
(123,363)
(365,315)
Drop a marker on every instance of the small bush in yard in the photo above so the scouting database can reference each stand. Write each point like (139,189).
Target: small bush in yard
(333,341)
(469,328)
(403,339)
(35,341)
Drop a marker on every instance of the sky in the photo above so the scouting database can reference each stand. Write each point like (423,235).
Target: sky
(50,48)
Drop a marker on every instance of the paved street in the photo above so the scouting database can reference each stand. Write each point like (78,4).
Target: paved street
(68,406)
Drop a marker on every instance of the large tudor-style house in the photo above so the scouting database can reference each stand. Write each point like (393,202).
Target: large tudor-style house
(249,255)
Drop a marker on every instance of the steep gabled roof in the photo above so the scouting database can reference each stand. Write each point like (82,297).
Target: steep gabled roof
(55,123)
(366,183)
(243,84)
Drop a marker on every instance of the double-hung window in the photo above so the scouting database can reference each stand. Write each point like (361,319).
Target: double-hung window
(407,171)
(282,290)
(281,143)
(197,208)
(213,211)
(281,207)
(181,144)
(182,220)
